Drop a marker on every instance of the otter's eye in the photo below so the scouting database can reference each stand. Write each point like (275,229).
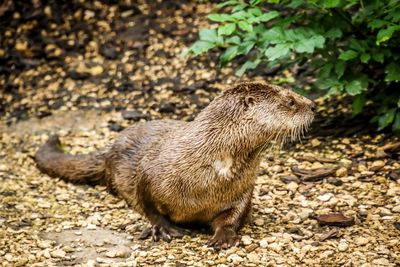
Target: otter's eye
(290,102)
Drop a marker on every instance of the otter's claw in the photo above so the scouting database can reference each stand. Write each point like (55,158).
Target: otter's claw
(224,238)
(163,232)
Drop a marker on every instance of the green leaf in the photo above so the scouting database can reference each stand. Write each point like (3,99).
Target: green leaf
(330,3)
(244,25)
(386,34)
(185,52)
(386,119)
(241,15)
(334,33)
(239,7)
(348,55)
(327,83)
(295,3)
(233,40)
(226,29)
(273,35)
(339,68)
(377,23)
(392,72)
(305,46)
(358,103)
(255,11)
(396,123)
(228,55)
(200,47)
(318,40)
(357,45)
(354,87)
(365,58)
(209,35)
(228,3)
(278,51)
(245,47)
(334,90)
(268,16)
(246,66)
(325,70)
(308,45)
(378,57)
(220,17)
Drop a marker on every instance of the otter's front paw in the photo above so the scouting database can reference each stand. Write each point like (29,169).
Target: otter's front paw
(164,232)
(224,238)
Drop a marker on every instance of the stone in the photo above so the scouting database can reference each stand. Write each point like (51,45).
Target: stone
(251,247)
(381,262)
(247,240)
(396,209)
(259,222)
(325,197)
(263,243)
(111,254)
(275,246)
(292,186)
(91,226)
(362,241)
(335,181)
(341,172)
(317,165)
(133,115)
(58,253)
(277,168)
(343,246)
(253,257)
(392,191)
(8,257)
(91,263)
(377,165)
(235,259)
(315,142)
(346,141)
(96,70)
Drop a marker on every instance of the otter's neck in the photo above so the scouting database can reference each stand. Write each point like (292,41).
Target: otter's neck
(220,129)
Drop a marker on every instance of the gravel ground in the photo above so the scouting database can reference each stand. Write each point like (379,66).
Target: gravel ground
(87,81)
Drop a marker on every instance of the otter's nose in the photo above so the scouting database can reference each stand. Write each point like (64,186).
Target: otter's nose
(313,107)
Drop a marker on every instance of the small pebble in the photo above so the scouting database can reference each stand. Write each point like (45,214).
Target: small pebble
(396,209)
(246,240)
(362,241)
(381,262)
(341,172)
(325,197)
(343,246)
(259,222)
(315,142)
(58,253)
(263,243)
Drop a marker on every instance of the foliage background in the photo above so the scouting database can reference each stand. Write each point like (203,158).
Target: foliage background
(349,47)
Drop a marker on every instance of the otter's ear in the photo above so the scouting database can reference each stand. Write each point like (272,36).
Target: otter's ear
(249,100)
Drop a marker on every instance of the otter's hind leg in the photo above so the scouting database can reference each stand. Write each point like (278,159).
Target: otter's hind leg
(162,227)
(228,222)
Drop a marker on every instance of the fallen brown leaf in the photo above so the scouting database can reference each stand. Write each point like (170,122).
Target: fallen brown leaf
(335,219)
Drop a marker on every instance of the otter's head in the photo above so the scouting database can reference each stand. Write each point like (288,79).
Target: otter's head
(276,111)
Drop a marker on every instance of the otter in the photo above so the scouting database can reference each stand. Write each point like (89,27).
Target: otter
(179,173)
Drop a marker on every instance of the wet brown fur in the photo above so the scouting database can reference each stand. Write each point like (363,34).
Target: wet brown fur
(203,171)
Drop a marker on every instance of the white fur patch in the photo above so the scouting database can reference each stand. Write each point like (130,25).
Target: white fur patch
(223,167)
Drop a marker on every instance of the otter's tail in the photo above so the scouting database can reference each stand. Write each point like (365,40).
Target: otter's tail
(87,168)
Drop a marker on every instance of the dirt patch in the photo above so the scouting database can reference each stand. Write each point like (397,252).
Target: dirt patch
(98,244)
(70,121)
